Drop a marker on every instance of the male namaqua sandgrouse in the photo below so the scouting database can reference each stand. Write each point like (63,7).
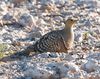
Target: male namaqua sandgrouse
(54,41)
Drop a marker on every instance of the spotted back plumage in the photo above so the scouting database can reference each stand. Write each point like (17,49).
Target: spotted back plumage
(54,41)
(51,42)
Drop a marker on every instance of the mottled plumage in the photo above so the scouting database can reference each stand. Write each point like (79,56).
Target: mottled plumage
(54,41)
(51,42)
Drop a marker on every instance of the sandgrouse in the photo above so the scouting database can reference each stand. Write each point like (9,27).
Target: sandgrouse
(54,41)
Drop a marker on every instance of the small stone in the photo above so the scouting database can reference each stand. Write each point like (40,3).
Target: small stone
(26,20)
(7,17)
(89,66)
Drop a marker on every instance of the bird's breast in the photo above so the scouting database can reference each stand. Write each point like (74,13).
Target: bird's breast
(69,38)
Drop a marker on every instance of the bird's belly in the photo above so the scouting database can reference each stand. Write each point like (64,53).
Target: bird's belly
(69,42)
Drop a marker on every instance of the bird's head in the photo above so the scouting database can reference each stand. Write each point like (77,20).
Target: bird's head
(70,22)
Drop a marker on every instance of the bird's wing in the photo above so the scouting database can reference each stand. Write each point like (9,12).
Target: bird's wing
(51,42)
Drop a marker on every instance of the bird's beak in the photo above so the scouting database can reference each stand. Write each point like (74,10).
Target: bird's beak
(75,20)
(64,22)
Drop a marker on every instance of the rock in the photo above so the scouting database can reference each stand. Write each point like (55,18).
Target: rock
(7,17)
(94,56)
(7,36)
(89,66)
(17,3)
(78,37)
(38,73)
(26,20)
(3,6)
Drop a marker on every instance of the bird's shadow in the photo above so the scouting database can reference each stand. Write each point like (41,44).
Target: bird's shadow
(8,58)
(21,55)
(13,57)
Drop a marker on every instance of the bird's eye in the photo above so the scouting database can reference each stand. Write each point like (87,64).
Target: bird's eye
(71,20)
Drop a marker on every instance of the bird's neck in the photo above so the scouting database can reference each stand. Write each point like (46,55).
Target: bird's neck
(69,25)
(69,35)
(68,29)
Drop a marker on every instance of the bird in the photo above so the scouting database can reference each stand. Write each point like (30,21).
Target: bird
(54,41)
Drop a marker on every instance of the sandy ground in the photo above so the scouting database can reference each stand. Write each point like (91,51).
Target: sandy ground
(23,22)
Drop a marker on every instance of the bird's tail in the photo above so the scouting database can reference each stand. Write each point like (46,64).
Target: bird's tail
(25,52)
